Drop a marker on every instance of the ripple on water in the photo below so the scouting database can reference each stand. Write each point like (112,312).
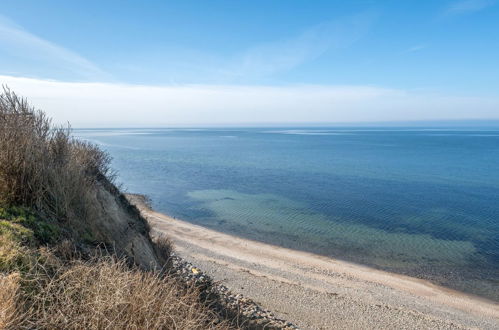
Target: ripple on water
(281,216)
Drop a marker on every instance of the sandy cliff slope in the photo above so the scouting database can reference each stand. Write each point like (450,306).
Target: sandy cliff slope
(121,226)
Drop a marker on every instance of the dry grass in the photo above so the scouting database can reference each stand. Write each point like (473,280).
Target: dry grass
(103,294)
(9,301)
(164,247)
(109,295)
(13,256)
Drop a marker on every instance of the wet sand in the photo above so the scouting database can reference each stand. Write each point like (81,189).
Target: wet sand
(317,292)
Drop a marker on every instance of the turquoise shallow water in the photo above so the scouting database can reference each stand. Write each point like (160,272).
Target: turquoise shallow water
(423,202)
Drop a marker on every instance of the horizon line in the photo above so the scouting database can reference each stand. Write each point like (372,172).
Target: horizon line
(492,123)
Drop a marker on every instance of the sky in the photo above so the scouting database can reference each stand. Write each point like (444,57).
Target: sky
(166,63)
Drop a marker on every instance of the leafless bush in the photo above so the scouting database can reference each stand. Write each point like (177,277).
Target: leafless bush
(42,166)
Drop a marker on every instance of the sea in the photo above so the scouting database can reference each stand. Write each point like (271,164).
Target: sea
(412,200)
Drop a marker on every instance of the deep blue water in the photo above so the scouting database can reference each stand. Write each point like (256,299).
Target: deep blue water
(423,202)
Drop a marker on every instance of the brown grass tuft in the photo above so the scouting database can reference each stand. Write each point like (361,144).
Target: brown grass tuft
(164,248)
(102,293)
(9,301)
(106,294)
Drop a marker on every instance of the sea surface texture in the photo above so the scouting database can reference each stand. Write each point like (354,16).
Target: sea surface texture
(422,202)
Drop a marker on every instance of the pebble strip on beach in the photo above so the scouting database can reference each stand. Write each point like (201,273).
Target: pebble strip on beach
(255,315)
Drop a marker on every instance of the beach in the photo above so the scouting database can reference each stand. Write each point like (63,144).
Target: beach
(317,292)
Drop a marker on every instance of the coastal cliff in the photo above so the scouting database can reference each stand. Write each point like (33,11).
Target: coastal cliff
(66,184)
(75,253)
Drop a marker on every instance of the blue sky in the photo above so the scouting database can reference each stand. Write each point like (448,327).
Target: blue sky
(363,60)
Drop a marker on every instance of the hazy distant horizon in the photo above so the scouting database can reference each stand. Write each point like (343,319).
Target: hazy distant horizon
(486,123)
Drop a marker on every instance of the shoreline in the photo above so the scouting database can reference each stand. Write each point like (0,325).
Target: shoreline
(364,293)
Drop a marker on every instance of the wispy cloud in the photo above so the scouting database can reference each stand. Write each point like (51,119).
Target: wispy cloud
(468,6)
(115,105)
(283,55)
(415,48)
(267,59)
(35,56)
(18,42)
(254,63)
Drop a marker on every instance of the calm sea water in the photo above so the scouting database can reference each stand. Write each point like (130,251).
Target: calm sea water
(423,202)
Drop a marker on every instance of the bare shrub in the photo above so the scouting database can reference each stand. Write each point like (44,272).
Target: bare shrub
(42,166)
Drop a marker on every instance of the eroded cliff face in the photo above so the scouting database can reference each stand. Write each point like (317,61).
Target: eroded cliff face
(120,225)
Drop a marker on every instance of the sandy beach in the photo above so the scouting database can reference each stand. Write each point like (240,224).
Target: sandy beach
(316,292)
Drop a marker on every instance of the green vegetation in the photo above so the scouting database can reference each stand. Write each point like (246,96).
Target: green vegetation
(34,228)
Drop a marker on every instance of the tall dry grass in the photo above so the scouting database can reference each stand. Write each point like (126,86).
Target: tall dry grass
(103,293)
(10,309)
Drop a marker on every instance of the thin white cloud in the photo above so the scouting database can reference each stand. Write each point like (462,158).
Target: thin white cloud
(114,105)
(468,6)
(415,49)
(18,42)
(259,61)
(283,55)
(42,58)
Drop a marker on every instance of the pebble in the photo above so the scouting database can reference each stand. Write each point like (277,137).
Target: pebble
(235,302)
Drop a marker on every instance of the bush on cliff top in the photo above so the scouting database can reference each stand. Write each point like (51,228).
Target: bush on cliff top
(42,166)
